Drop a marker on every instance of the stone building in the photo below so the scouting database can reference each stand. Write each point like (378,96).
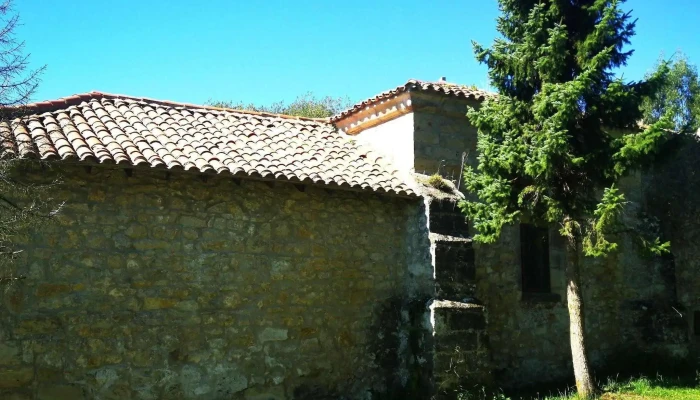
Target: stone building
(207,253)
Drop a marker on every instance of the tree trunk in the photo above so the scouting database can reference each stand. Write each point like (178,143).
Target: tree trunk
(577,334)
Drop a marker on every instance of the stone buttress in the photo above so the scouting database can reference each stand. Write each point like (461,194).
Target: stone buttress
(461,359)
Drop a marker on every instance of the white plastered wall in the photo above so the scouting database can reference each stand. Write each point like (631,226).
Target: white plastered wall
(394,140)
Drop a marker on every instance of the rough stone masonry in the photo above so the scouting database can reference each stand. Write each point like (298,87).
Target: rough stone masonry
(172,287)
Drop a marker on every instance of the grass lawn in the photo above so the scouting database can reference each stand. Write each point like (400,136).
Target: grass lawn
(659,388)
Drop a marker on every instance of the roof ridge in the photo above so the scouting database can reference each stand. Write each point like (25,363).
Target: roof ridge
(445,88)
(49,105)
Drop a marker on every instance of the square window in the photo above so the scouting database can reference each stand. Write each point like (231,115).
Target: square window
(534,259)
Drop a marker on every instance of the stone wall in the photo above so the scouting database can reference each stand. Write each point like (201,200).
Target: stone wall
(672,196)
(629,308)
(432,138)
(630,297)
(461,355)
(442,134)
(174,286)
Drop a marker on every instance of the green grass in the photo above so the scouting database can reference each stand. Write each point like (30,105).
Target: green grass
(659,388)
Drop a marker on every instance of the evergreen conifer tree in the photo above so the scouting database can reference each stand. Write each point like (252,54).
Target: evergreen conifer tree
(563,130)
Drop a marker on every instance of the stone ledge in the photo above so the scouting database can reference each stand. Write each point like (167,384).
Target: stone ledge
(439,238)
(450,316)
(454,304)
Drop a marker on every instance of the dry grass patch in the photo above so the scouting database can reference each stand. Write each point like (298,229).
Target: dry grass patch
(619,396)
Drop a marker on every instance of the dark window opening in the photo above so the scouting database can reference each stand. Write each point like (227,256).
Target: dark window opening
(534,259)
(696,322)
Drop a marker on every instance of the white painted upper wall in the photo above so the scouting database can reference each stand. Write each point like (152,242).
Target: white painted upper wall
(394,140)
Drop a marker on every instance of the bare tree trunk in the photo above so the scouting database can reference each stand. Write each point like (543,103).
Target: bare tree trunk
(577,333)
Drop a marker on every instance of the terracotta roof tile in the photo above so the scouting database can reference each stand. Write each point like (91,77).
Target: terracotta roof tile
(446,88)
(105,128)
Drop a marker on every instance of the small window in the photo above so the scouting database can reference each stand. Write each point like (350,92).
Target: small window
(696,322)
(534,259)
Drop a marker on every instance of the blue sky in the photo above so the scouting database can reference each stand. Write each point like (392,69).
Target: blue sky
(265,51)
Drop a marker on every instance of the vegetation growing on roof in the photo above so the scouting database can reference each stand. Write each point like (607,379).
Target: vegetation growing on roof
(439,183)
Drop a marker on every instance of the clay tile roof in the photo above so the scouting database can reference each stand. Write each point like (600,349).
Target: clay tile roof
(106,128)
(441,87)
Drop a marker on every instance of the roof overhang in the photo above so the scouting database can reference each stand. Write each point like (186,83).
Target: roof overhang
(376,113)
